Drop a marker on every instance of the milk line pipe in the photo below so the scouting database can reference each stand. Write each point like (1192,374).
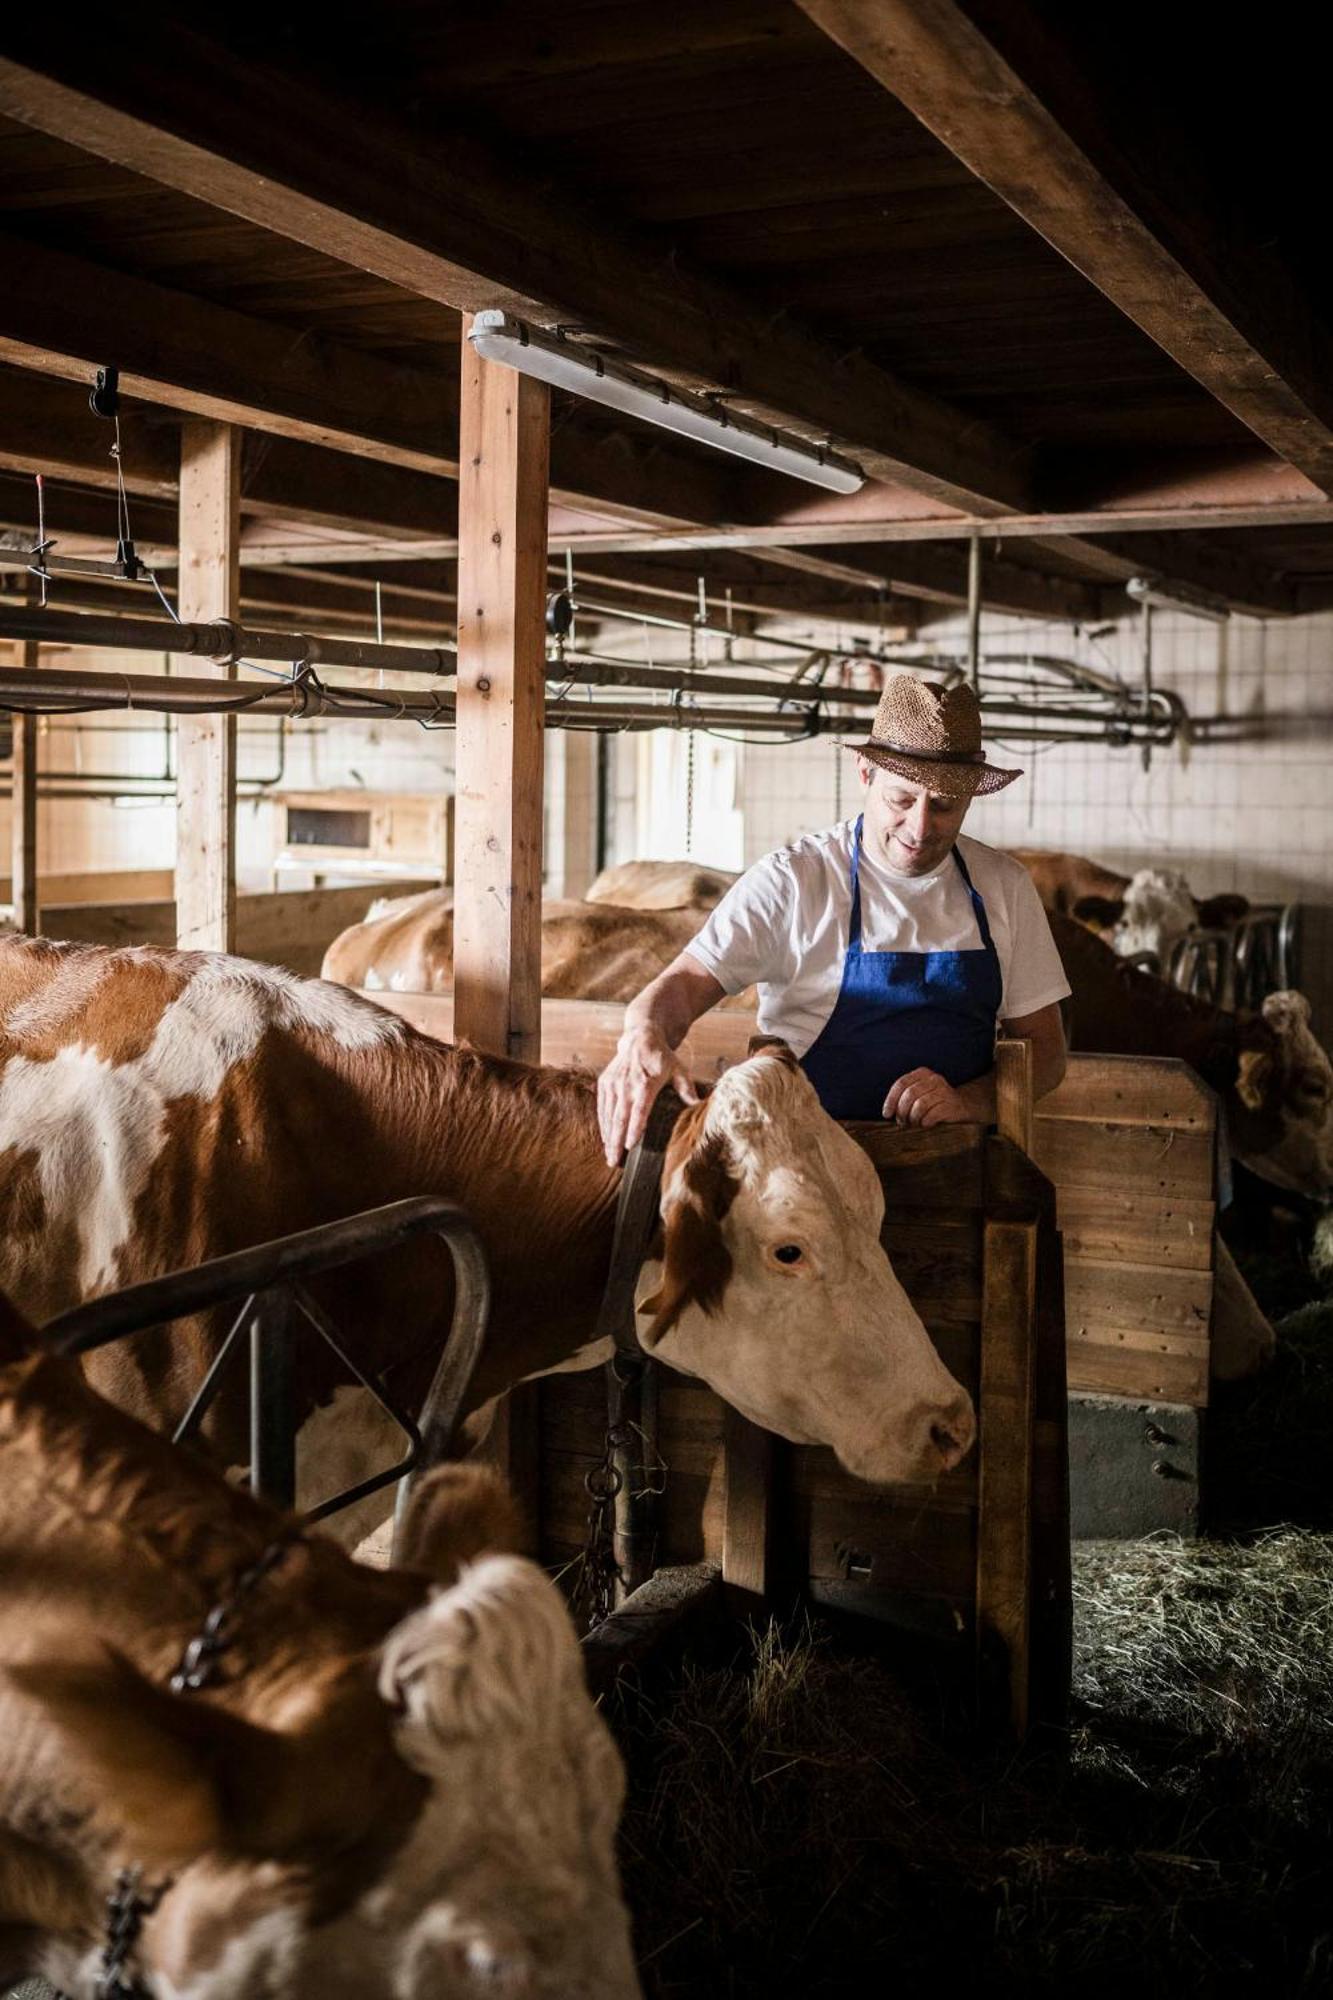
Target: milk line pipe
(60,691)
(223,640)
(55,691)
(220,639)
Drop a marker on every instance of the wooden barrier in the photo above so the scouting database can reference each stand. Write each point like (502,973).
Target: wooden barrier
(289,927)
(106,885)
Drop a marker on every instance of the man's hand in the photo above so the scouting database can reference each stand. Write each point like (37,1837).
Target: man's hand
(923,1098)
(644,1064)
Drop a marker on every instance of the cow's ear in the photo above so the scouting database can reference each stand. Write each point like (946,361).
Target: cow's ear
(458,1512)
(1253,1077)
(772,1045)
(172,1777)
(696,1262)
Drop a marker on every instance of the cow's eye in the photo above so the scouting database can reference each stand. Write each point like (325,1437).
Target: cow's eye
(789,1253)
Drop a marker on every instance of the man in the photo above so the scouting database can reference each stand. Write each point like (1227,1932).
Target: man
(886,950)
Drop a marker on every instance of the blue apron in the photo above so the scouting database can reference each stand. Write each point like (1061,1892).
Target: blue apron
(903,1010)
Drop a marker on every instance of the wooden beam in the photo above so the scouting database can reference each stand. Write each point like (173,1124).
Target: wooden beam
(23,812)
(210,527)
(1009,115)
(504,437)
(187,354)
(454,222)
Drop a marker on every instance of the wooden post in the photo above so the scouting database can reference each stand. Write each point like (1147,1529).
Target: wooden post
(23,822)
(747,1528)
(210,528)
(504,454)
(502,502)
(1004,1480)
(1013,1091)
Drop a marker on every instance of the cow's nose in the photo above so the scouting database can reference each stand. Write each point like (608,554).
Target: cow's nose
(954,1432)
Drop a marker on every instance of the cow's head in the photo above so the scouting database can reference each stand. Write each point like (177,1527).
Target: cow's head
(438,1818)
(775,1288)
(1158,909)
(1284,1086)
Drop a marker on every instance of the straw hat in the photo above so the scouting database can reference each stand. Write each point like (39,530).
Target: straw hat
(932,735)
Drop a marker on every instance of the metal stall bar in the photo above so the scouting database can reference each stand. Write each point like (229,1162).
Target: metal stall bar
(268,1279)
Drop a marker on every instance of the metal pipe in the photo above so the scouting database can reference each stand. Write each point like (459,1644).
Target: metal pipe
(221,639)
(974,610)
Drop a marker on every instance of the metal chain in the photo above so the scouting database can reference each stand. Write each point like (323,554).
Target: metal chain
(126,1908)
(594,1591)
(689,792)
(199,1662)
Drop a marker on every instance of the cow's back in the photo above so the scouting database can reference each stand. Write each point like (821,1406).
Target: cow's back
(1115,1009)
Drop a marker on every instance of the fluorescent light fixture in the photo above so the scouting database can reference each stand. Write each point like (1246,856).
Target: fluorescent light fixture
(499,337)
(1166,596)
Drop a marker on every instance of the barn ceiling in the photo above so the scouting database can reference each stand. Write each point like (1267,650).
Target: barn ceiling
(1044,271)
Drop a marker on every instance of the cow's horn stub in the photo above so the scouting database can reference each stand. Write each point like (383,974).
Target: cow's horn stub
(772,1045)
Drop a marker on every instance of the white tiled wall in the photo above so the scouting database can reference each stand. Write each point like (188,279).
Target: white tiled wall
(1256,816)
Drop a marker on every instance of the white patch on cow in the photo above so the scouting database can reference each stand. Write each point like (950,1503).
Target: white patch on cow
(592,1355)
(1159,909)
(97,1126)
(262,1961)
(96,1129)
(337,1447)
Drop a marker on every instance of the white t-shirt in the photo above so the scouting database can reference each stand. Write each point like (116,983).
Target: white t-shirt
(784,926)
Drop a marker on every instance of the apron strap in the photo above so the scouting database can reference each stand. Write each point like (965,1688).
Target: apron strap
(854,927)
(978,907)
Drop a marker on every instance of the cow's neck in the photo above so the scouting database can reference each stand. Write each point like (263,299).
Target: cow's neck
(519,1147)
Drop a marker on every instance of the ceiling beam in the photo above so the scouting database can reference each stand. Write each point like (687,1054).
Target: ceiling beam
(69,317)
(448,220)
(1023,121)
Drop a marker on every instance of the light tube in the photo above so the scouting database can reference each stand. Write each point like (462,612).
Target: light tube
(497,336)
(1168,596)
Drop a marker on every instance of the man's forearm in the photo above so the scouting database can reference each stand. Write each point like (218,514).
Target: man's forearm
(673,1002)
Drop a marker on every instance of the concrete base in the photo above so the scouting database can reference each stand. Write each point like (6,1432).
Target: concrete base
(1133,1468)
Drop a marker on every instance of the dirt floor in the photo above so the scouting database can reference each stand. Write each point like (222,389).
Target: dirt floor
(799,1825)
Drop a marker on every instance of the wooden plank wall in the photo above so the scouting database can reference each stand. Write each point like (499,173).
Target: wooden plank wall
(1131,1147)
(291,927)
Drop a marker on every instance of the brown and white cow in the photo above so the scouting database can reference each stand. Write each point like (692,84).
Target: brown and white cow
(590,951)
(159,1108)
(397,1788)
(662,885)
(1274,1079)
(1147,911)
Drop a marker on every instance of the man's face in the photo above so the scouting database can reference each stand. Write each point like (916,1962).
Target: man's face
(905,825)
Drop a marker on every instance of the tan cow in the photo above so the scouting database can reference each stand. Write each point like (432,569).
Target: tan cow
(159,1108)
(662,885)
(590,951)
(397,1789)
